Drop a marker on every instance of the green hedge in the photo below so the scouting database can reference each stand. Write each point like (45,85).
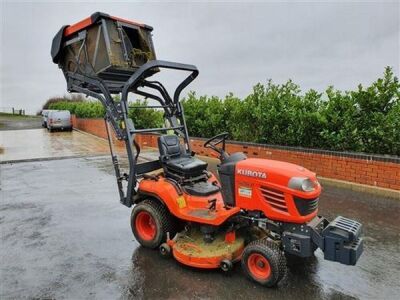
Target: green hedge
(144,118)
(364,120)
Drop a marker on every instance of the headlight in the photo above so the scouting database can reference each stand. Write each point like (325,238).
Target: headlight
(301,184)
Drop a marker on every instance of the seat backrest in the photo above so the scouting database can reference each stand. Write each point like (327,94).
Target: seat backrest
(169,146)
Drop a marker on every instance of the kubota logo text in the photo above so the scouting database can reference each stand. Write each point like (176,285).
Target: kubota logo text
(251,173)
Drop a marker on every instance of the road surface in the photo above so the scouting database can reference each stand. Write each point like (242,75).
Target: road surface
(64,235)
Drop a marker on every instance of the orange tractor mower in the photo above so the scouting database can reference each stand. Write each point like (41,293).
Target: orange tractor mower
(255,212)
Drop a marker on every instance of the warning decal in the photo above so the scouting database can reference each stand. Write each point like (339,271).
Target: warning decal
(245,191)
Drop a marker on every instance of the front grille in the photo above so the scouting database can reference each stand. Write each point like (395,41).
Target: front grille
(274,198)
(306,206)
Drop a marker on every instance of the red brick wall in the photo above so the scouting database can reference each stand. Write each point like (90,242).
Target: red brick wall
(359,170)
(95,127)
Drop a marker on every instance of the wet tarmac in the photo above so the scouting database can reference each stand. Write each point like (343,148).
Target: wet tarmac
(17,122)
(39,144)
(64,235)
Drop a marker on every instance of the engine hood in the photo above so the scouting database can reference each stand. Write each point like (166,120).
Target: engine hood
(273,171)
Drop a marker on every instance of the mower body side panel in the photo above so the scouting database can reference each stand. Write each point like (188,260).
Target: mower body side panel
(262,184)
(187,207)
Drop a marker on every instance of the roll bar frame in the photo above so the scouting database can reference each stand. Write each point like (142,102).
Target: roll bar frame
(124,128)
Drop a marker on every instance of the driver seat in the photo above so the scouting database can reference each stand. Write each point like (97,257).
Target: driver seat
(176,160)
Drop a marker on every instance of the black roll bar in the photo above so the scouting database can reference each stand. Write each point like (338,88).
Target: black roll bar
(132,84)
(117,113)
(141,73)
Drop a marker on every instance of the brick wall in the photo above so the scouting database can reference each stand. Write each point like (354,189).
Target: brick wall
(96,127)
(375,170)
(359,170)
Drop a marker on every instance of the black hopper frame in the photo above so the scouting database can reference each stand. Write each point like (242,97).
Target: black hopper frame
(124,127)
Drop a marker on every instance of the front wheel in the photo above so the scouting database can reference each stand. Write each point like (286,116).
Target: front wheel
(150,222)
(263,262)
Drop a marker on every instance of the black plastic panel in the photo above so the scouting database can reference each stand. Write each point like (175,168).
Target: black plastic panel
(201,189)
(147,167)
(306,206)
(298,244)
(226,173)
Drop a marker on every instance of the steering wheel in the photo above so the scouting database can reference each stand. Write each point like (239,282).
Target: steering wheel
(216,140)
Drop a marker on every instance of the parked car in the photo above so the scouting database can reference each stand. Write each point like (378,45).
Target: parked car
(59,119)
(45,113)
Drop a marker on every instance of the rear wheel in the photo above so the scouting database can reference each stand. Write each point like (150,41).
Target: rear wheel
(150,222)
(264,262)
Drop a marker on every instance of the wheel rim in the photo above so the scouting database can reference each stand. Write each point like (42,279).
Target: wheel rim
(259,266)
(145,226)
(225,267)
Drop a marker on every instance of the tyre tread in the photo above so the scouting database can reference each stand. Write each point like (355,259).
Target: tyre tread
(162,214)
(275,256)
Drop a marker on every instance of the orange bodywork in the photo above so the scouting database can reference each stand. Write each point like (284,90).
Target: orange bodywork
(260,185)
(187,207)
(88,21)
(272,195)
(269,194)
(77,26)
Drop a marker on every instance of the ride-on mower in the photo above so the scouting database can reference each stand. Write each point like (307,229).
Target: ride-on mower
(257,211)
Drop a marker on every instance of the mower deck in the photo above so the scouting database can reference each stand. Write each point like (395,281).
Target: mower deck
(191,250)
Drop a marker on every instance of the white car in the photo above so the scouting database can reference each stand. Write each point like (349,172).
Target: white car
(59,119)
(45,113)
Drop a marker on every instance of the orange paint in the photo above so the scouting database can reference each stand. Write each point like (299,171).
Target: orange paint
(77,26)
(259,266)
(88,21)
(281,206)
(196,208)
(230,237)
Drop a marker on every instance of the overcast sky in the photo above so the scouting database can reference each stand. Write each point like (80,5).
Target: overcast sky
(235,45)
